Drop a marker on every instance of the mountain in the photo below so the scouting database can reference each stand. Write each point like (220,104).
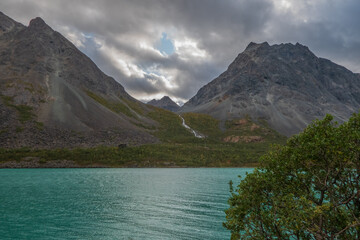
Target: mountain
(58,109)
(165,103)
(53,95)
(286,85)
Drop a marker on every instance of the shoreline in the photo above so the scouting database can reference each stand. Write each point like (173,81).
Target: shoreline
(37,163)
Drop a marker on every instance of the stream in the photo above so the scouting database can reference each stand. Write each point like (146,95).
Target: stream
(196,134)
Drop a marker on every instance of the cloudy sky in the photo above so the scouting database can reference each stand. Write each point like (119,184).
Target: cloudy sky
(173,47)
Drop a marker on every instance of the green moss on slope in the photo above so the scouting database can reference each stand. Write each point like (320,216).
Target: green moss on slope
(203,123)
(116,107)
(170,127)
(24,112)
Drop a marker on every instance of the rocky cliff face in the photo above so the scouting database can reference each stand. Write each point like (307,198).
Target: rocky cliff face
(286,85)
(52,95)
(165,103)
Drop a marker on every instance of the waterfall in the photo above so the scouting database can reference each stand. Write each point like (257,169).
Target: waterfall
(197,135)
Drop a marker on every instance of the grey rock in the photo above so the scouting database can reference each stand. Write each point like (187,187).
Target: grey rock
(165,103)
(42,70)
(285,84)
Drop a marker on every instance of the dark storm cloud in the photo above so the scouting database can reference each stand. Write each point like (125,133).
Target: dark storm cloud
(121,36)
(329,28)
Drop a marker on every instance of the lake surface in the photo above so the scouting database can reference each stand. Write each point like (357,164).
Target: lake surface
(115,203)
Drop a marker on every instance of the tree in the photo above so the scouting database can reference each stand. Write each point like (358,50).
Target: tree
(307,189)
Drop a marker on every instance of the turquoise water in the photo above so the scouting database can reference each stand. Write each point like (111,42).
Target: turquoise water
(115,203)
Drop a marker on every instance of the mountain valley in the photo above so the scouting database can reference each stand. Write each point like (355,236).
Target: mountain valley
(58,109)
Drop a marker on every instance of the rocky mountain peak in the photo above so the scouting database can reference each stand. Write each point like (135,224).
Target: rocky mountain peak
(253,46)
(166,103)
(61,89)
(269,56)
(285,84)
(39,24)
(288,50)
(166,99)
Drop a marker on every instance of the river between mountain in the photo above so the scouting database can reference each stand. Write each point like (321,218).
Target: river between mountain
(115,203)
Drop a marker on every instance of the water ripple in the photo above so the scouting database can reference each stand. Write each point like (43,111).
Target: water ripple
(114,203)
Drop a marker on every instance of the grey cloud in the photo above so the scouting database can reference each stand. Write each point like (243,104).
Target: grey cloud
(221,28)
(331,30)
(130,83)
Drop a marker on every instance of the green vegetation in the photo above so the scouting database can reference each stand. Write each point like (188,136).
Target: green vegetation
(246,127)
(29,87)
(116,107)
(19,129)
(170,129)
(39,125)
(3,131)
(24,111)
(307,189)
(203,123)
(236,128)
(154,155)
(7,100)
(178,146)
(134,105)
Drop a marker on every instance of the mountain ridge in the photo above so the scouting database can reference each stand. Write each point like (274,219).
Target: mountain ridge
(53,95)
(284,84)
(67,100)
(166,103)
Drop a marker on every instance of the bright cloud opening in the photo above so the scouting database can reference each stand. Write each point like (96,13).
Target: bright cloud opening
(188,49)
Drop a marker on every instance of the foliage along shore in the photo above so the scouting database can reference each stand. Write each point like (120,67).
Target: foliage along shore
(239,144)
(306,189)
(156,155)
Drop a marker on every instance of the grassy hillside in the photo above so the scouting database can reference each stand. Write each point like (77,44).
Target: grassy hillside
(240,144)
(170,129)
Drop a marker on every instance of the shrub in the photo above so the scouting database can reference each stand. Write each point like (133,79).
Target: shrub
(307,189)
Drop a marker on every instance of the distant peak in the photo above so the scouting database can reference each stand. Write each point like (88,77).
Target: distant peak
(253,45)
(165,97)
(38,23)
(165,102)
(302,46)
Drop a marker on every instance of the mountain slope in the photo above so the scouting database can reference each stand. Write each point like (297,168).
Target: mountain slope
(65,98)
(165,103)
(286,85)
(53,97)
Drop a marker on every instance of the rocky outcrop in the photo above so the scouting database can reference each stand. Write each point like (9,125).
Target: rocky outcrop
(165,103)
(286,85)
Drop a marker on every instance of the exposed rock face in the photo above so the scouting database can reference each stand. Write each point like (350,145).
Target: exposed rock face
(45,77)
(165,103)
(286,85)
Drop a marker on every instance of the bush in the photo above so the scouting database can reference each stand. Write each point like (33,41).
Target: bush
(307,189)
